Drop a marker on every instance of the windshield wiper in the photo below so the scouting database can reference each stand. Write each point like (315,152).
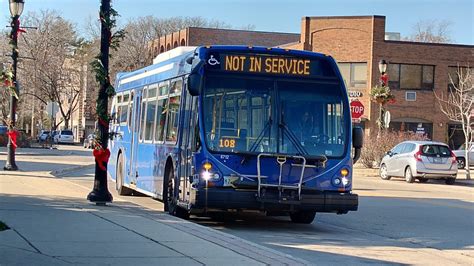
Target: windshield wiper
(262,135)
(291,136)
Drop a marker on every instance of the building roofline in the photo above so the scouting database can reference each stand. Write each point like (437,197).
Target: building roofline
(222,29)
(348,17)
(432,44)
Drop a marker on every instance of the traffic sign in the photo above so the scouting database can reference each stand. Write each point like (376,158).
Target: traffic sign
(357,109)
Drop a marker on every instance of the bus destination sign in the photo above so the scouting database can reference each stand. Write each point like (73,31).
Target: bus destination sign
(262,64)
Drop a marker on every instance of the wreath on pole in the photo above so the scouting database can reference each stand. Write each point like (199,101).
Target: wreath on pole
(382,95)
(6,81)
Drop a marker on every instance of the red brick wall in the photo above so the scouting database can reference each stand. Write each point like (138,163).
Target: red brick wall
(205,36)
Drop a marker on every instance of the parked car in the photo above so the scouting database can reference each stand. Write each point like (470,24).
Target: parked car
(64,136)
(420,160)
(461,156)
(89,141)
(43,135)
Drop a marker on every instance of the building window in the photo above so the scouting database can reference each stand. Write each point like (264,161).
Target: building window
(453,76)
(422,128)
(410,96)
(411,77)
(354,74)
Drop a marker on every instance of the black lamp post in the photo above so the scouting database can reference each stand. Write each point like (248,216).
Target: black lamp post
(100,193)
(383,69)
(16,8)
(383,83)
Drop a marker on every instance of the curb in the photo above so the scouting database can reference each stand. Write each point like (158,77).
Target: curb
(59,173)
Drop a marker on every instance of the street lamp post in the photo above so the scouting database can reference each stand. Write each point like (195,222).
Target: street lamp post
(16,8)
(100,193)
(383,84)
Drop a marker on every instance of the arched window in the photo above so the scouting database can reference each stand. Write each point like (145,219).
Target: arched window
(156,51)
(162,49)
(175,44)
(183,42)
(168,47)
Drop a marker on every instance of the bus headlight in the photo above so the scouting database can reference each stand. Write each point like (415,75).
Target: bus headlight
(206,175)
(336,181)
(345,181)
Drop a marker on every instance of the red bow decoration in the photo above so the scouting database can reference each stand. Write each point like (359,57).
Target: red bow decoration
(13,135)
(20,30)
(384,79)
(101,156)
(8,83)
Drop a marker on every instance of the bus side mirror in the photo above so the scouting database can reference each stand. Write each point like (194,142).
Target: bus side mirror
(357,137)
(194,84)
(357,142)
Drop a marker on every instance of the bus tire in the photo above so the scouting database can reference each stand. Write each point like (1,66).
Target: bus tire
(170,198)
(121,189)
(302,217)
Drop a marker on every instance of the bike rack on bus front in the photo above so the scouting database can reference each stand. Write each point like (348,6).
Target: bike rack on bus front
(281,160)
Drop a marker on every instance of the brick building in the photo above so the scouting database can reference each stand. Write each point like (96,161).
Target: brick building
(416,70)
(194,36)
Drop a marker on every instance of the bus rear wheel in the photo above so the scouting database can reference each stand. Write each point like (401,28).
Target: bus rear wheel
(121,189)
(302,217)
(171,197)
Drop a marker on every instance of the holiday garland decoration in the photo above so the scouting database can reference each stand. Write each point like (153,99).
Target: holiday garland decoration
(6,81)
(109,22)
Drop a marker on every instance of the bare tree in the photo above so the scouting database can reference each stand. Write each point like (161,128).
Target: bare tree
(134,49)
(431,31)
(458,105)
(52,47)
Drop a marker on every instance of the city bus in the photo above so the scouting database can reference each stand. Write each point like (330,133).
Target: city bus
(233,129)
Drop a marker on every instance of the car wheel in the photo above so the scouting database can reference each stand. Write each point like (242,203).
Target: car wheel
(121,189)
(461,162)
(408,175)
(383,172)
(422,180)
(302,217)
(450,180)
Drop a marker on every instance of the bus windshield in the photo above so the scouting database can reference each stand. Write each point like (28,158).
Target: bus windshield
(244,115)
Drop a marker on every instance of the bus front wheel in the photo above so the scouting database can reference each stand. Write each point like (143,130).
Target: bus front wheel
(302,217)
(171,197)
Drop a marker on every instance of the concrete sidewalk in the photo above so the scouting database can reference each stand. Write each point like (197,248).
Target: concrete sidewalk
(53,224)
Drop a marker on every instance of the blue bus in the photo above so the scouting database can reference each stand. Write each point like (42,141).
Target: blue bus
(233,129)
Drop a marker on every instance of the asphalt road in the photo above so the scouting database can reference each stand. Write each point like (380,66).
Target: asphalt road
(397,223)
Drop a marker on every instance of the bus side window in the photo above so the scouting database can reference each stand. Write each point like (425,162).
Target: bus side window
(130,110)
(173,110)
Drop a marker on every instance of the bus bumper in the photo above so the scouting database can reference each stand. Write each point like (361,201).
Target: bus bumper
(225,199)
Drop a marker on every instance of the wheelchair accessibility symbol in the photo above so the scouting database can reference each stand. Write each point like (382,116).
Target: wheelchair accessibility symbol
(212,61)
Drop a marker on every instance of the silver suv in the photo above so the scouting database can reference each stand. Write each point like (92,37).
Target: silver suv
(420,160)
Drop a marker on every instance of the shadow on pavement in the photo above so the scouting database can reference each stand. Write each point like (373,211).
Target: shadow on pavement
(60,224)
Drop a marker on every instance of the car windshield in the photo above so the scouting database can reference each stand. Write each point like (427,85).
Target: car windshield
(288,117)
(66,132)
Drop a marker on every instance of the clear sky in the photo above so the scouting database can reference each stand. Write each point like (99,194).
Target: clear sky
(277,15)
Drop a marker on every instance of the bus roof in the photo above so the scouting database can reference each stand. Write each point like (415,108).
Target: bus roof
(173,63)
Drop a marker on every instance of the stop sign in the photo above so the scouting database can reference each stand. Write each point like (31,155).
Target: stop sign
(357,109)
